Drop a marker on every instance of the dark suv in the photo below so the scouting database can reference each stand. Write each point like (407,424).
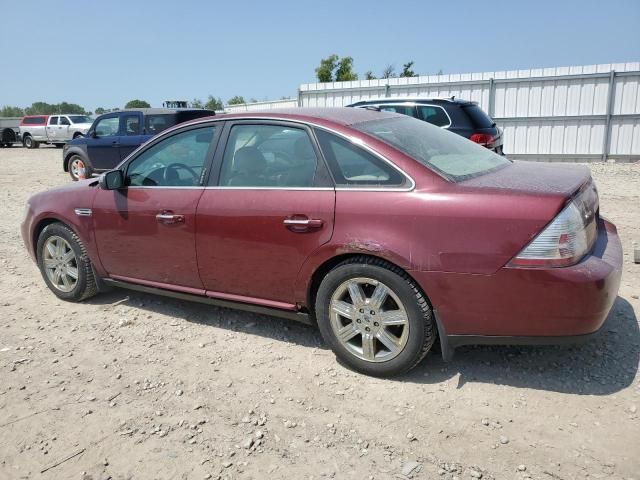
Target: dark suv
(113,136)
(463,117)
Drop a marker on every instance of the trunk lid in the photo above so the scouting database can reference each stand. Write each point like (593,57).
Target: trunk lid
(532,178)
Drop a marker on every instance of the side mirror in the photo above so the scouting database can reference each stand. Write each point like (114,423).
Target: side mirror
(111,180)
(93,134)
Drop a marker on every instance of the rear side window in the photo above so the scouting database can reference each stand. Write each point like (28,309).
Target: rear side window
(477,116)
(154,124)
(130,124)
(353,166)
(434,114)
(53,120)
(403,109)
(34,120)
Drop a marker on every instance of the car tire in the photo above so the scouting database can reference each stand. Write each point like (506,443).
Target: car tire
(64,263)
(28,142)
(378,339)
(79,168)
(77,135)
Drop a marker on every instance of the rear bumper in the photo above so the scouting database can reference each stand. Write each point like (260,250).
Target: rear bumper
(518,305)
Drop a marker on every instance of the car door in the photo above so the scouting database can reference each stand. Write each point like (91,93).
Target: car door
(270,205)
(52,128)
(130,133)
(63,129)
(103,146)
(145,232)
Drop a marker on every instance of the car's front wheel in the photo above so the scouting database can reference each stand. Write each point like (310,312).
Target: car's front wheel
(64,263)
(374,317)
(78,168)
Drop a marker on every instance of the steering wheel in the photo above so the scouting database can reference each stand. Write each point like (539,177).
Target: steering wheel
(179,166)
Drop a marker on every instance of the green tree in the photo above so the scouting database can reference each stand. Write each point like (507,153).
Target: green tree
(137,104)
(238,99)
(368,75)
(324,72)
(214,103)
(100,110)
(8,111)
(389,71)
(345,72)
(65,107)
(196,103)
(407,71)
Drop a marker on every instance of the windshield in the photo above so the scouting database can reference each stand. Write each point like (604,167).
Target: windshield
(448,154)
(80,119)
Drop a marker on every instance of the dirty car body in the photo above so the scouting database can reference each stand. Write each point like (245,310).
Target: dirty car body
(332,216)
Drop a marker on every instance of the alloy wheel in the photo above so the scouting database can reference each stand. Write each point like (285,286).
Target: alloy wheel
(78,169)
(369,320)
(60,263)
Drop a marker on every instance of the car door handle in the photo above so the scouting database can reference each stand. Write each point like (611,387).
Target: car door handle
(169,218)
(115,143)
(303,224)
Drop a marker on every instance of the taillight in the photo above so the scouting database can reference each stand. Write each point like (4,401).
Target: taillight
(481,138)
(568,238)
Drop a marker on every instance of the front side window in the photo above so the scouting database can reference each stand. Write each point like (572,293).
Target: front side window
(130,125)
(108,127)
(53,120)
(64,121)
(446,153)
(433,114)
(354,166)
(176,161)
(268,156)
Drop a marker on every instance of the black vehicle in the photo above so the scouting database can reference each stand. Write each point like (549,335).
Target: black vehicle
(463,117)
(113,136)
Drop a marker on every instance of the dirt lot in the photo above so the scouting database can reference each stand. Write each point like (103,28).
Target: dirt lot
(128,385)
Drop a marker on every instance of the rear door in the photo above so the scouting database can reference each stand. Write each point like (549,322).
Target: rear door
(52,128)
(63,129)
(131,129)
(103,146)
(268,208)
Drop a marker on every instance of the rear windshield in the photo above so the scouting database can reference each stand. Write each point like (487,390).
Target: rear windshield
(34,120)
(448,154)
(154,124)
(478,117)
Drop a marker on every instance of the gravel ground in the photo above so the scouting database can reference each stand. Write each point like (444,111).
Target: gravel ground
(128,385)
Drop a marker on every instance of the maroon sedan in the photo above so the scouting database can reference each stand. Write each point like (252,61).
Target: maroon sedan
(383,230)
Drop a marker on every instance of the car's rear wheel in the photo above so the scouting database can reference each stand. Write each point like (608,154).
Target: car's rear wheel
(78,168)
(29,142)
(374,317)
(64,263)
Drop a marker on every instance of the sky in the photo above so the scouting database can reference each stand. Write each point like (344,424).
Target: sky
(104,55)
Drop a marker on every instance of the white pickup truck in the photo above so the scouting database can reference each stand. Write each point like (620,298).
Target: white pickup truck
(55,129)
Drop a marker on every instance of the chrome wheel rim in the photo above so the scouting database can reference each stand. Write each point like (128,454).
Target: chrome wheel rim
(77,168)
(60,264)
(369,320)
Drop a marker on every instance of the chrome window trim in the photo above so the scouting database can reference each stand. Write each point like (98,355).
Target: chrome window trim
(412,104)
(411,187)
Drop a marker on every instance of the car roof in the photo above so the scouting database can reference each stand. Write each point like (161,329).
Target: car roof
(157,111)
(336,115)
(369,101)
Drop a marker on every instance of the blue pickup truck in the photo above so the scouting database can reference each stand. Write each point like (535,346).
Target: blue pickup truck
(113,136)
